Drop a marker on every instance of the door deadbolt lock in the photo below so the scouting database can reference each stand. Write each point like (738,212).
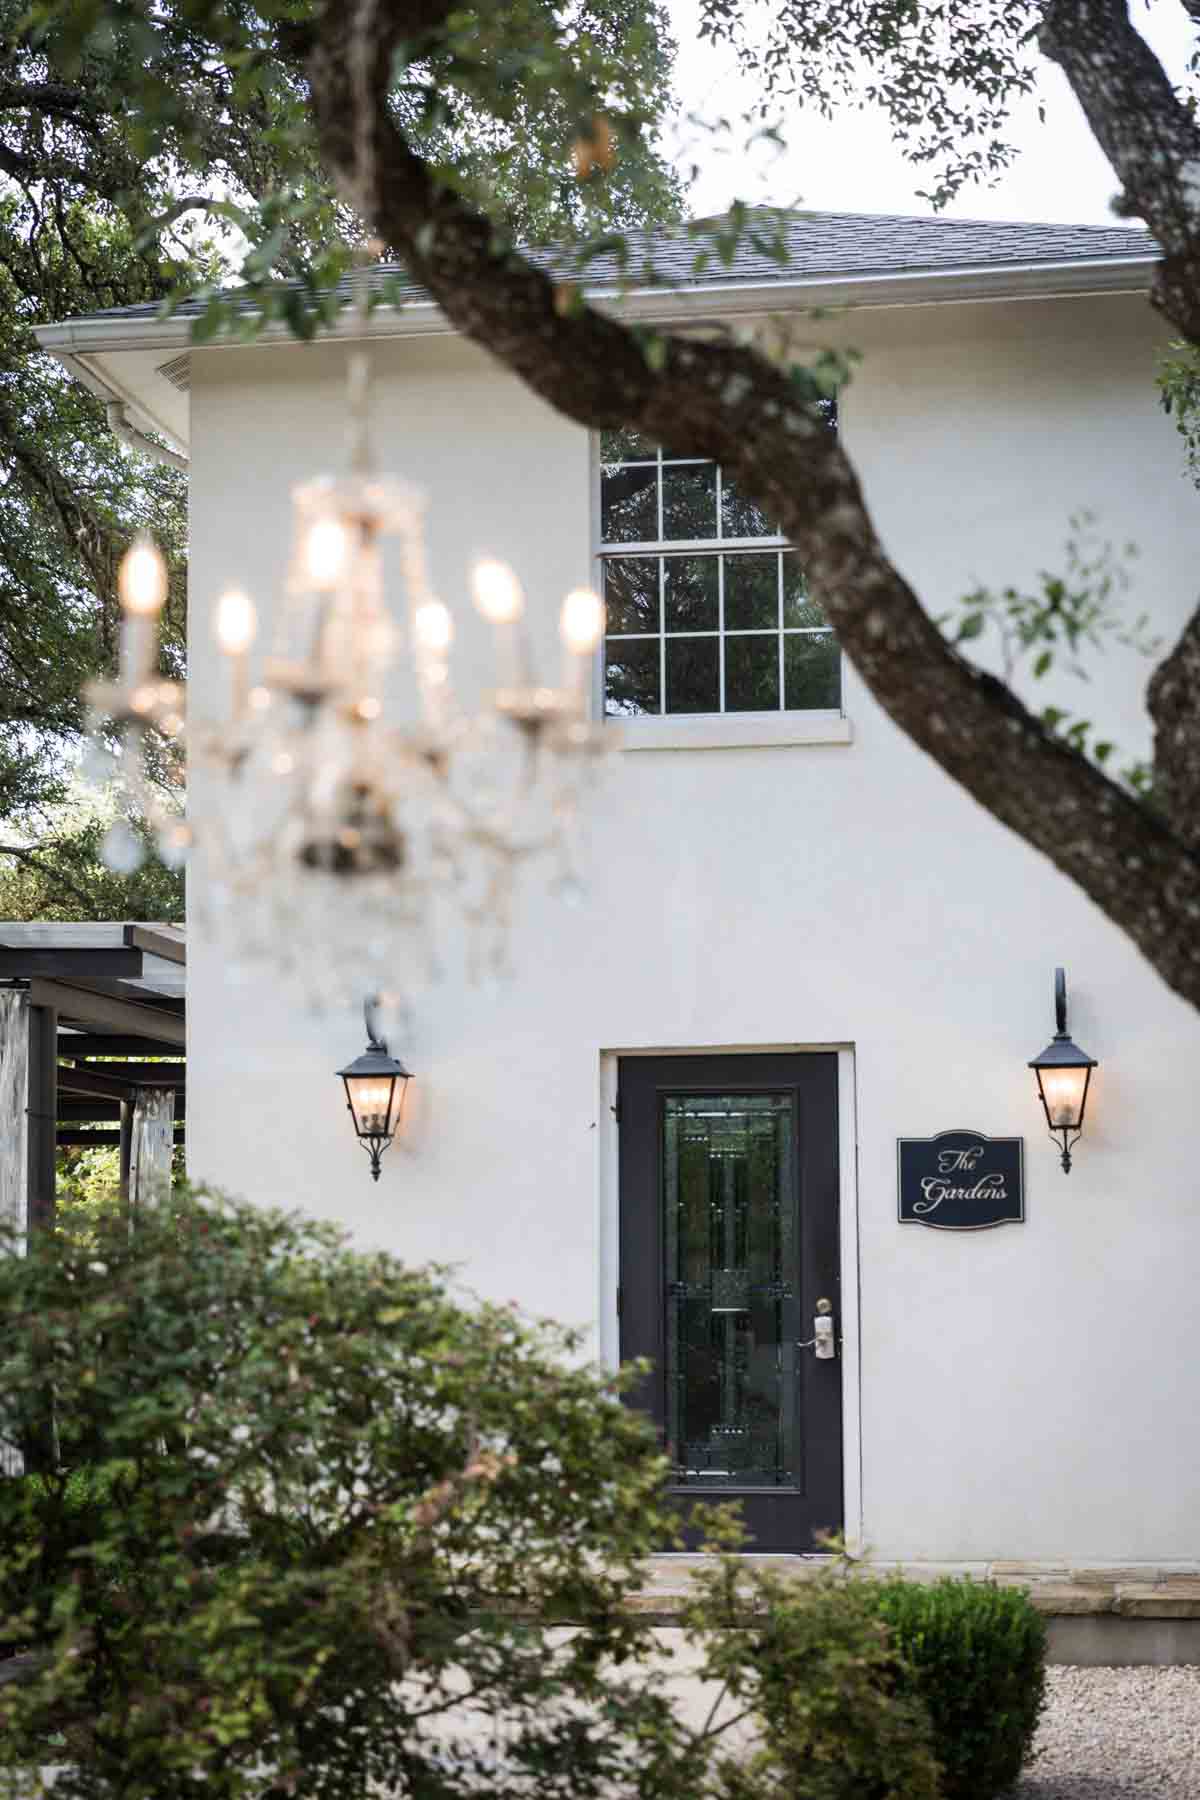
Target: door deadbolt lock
(822,1343)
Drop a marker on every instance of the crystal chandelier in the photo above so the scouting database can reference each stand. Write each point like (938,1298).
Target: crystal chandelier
(332,840)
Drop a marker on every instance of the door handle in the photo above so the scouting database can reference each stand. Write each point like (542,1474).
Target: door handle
(822,1343)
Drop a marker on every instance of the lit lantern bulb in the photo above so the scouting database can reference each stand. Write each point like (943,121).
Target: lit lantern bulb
(498,593)
(237,622)
(582,621)
(326,551)
(142,579)
(433,626)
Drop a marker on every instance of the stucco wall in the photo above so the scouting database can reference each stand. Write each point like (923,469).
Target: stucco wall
(1025,1392)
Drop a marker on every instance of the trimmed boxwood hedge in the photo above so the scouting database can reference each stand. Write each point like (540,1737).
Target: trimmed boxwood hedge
(976,1656)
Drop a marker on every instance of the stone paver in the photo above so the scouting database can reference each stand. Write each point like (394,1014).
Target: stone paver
(1134,1590)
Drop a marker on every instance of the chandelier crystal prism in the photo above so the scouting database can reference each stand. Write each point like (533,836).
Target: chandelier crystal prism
(333,839)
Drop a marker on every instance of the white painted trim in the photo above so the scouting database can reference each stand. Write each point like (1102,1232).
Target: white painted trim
(696,304)
(732,731)
(851,1320)
(608,1333)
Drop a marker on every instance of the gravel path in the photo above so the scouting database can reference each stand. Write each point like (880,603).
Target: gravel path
(1117,1734)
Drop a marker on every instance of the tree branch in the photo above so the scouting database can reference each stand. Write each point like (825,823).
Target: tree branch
(55,97)
(727,402)
(1148,135)
(1174,700)
(55,876)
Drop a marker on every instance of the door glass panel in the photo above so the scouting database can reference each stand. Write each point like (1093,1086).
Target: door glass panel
(728,1192)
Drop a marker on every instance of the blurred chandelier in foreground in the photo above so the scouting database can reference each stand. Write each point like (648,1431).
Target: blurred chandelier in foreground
(330,836)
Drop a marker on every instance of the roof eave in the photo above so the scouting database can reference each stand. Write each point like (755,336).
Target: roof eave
(694,303)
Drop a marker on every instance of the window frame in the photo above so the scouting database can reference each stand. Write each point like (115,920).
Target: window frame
(680,729)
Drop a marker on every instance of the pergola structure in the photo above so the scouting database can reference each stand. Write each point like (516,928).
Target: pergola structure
(92,1042)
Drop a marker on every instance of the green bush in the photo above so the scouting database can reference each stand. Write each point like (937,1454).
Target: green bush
(809,1667)
(304,1524)
(976,1655)
(300,1524)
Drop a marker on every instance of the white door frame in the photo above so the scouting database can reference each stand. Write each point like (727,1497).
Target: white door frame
(608,1239)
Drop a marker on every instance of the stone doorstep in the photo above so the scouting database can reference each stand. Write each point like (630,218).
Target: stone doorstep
(1135,1591)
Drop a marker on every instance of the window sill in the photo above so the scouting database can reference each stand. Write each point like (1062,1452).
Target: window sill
(733,731)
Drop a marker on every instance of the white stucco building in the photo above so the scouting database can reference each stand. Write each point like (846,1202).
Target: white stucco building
(801,941)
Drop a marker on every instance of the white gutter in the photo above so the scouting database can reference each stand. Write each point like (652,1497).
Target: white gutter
(125,433)
(695,303)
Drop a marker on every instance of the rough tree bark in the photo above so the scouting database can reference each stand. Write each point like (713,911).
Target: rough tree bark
(730,403)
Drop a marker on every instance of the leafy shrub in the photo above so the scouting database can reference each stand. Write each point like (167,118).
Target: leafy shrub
(976,1655)
(810,1665)
(302,1522)
(298,1523)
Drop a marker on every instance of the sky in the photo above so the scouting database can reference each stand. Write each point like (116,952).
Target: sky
(850,164)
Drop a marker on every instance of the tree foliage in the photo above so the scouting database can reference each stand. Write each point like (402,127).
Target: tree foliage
(144,155)
(51,867)
(946,73)
(401,110)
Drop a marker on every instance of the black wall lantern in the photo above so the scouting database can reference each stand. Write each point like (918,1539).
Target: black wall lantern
(375,1087)
(1063,1075)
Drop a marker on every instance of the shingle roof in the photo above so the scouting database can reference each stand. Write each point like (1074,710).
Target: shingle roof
(824,244)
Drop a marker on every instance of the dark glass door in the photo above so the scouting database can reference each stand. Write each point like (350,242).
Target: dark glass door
(729,1242)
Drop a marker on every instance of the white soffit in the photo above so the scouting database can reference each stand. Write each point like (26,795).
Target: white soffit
(144,362)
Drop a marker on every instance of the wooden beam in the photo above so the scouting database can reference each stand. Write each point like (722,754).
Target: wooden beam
(79,1109)
(118,1043)
(156,943)
(135,1074)
(67,964)
(92,1081)
(141,993)
(80,1137)
(93,1008)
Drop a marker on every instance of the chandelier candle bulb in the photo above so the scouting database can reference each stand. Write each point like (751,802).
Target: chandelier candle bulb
(142,579)
(236,627)
(142,586)
(433,627)
(499,598)
(581,626)
(326,552)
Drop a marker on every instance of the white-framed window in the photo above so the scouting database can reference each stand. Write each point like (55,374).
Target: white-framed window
(708,610)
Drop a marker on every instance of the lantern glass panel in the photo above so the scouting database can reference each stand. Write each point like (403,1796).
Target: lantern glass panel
(375,1103)
(1063,1094)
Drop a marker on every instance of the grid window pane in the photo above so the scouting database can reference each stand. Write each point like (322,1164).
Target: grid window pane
(693,675)
(751,593)
(629,503)
(752,673)
(740,517)
(689,500)
(812,671)
(690,593)
(631,594)
(798,609)
(631,676)
(718,630)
